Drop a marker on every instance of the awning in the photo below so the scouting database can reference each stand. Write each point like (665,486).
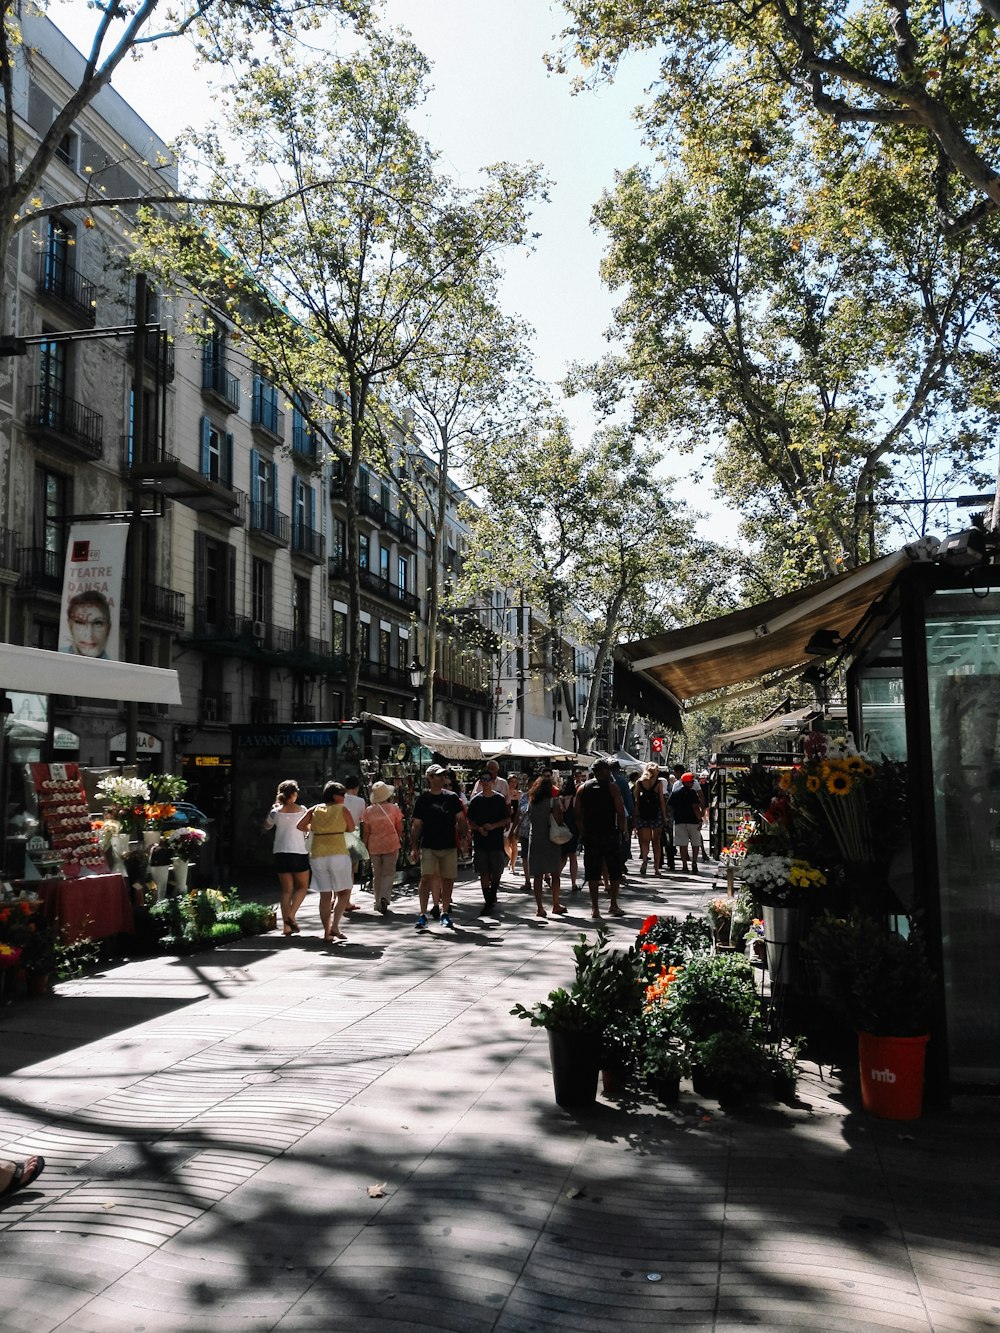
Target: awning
(780,724)
(22,731)
(38,671)
(518,748)
(442,740)
(771,636)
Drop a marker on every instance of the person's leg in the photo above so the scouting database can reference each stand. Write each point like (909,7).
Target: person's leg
(524,864)
(539,906)
(424,891)
(287,913)
(643,849)
(447,888)
(613,908)
(695,849)
(300,887)
(341,901)
(657,851)
(557,908)
(326,911)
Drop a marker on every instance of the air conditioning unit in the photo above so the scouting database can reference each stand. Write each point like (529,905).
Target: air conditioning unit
(259,630)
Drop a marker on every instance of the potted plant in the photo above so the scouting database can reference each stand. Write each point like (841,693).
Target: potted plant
(880,982)
(720,914)
(576,1018)
(711,995)
(161,854)
(185,843)
(727,1065)
(782,1064)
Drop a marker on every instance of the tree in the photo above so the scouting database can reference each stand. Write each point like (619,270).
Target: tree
(601,544)
(359,245)
(926,73)
(219,30)
(805,332)
(464,389)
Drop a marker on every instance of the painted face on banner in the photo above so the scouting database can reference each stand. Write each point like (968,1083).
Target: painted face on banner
(89,627)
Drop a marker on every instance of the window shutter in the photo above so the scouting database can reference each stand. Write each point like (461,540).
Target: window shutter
(230,578)
(227,461)
(296,511)
(206,438)
(274,490)
(254,477)
(200,578)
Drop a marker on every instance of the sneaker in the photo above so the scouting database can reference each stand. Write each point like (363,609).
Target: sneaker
(420,922)
(446,920)
(435,912)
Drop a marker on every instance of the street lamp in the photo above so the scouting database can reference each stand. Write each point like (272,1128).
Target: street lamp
(417,672)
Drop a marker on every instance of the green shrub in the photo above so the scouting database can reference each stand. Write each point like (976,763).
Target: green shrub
(713,993)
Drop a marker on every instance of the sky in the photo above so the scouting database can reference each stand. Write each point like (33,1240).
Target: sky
(492,100)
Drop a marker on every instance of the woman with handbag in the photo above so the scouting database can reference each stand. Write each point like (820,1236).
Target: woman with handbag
(332,875)
(650,817)
(382,831)
(544,854)
(291,859)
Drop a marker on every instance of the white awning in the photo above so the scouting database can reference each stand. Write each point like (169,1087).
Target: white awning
(440,739)
(38,671)
(517,748)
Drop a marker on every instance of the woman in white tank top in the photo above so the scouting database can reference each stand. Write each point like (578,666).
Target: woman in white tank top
(291,860)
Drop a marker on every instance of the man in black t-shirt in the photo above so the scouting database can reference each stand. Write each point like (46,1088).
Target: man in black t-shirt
(601,825)
(488,817)
(437,826)
(686,807)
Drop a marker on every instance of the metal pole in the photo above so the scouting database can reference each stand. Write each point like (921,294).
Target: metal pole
(134,531)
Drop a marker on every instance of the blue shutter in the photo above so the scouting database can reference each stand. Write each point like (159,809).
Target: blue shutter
(227,460)
(274,494)
(254,477)
(311,507)
(296,513)
(206,435)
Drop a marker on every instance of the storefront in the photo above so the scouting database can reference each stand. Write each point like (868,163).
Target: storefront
(919,638)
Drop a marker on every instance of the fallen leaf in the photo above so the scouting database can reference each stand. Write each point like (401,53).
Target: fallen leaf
(574,1193)
(376,1191)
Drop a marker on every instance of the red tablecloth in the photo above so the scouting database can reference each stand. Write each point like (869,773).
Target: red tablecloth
(91,907)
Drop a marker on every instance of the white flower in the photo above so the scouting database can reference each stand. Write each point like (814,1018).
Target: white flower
(116,790)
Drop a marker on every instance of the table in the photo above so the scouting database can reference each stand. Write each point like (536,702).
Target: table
(90,907)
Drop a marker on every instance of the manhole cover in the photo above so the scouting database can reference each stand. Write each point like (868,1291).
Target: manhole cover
(129,1161)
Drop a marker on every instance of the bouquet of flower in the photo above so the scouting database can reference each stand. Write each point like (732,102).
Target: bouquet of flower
(124,797)
(186,842)
(157,813)
(737,849)
(107,832)
(782,880)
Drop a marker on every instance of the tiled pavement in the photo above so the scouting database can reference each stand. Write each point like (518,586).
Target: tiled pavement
(213,1125)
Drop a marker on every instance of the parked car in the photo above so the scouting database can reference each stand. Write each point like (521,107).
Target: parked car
(187,814)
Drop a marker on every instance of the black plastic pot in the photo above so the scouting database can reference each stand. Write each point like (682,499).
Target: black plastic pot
(666,1088)
(576,1063)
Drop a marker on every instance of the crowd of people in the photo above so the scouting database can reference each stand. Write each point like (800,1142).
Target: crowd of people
(580,829)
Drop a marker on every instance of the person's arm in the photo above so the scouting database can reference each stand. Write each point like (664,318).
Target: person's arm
(348,820)
(556,811)
(416,828)
(365,826)
(620,811)
(578,815)
(305,821)
(462,825)
(663,805)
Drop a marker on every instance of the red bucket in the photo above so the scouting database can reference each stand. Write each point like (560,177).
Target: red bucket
(892,1075)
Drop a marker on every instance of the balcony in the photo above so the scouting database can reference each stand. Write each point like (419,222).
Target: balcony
(162,605)
(263,710)
(371,508)
(214,707)
(376,584)
(220,385)
(400,528)
(308,543)
(266,522)
(40,570)
(303,712)
(63,284)
(266,417)
(158,355)
(397,678)
(61,420)
(305,442)
(163,474)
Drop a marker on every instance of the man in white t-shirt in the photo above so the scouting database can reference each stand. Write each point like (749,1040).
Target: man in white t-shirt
(499,784)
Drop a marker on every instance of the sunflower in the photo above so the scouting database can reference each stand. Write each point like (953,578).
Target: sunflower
(854,763)
(839,784)
(867,771)
(785,781)
(813,782)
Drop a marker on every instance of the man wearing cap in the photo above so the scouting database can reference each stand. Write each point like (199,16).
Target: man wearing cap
(601,826)
(488,816)
(685,805)
(437,825)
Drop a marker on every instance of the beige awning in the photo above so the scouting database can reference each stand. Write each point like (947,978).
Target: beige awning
(39,671)
(749,644)
(442,740)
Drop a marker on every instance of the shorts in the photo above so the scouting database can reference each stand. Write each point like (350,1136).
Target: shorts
(291,863)
(332,874)
(687,833)
(491,862)
(441,861)
(601,855)
(654,824)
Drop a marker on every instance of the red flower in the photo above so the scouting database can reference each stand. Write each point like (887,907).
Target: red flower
(651,948)
(648,924)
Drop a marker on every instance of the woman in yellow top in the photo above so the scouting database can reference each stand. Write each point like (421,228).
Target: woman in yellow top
(332,875)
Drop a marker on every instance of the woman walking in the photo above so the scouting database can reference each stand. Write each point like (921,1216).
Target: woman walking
(650,816)
(291,860)
(512,836)
(332,875)
(382,830)
(544,855)
(567,797)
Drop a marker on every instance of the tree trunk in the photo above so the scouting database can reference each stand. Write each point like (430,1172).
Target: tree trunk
(353,553)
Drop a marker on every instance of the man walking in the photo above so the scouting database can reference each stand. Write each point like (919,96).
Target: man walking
(488,817)
(600,826)
(437,826)
(685,804)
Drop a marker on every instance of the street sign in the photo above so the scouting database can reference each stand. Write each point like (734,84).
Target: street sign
(657,744)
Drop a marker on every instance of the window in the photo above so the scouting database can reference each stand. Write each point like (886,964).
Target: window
(363,550)
(59,243)
(383,562)
(214,582)
(300,609)
(261,585)
(339,629)
(403,573)
(150,428)
(53,373)
(384,647)
(68,149)
(216,453)
(265,405)
(339,533)
(384,497)
(263,490)
(51,509)
(365,641)
(303,437)
(303,514)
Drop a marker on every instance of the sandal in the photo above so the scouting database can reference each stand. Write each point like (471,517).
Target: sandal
(22,1177)
(558,911)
